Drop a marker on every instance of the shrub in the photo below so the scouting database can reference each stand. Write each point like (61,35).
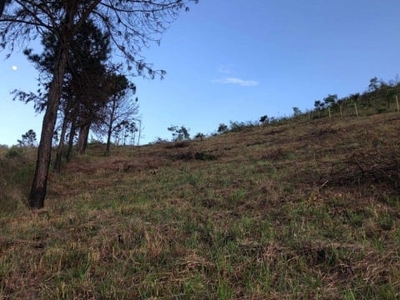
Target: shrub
(178,144)
(239,126)
(264,120)
(15,177)
(222,128)
(14,152)
(381,110)
(199,136)
(3,150)
(159,140)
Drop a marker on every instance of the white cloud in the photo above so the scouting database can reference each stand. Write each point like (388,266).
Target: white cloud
(238,81)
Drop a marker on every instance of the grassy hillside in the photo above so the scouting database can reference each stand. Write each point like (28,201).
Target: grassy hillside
(302,210)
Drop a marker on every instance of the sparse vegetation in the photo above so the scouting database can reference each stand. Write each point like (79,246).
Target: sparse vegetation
(294,210)
(240,126)
(222,128)
(296,112)
(28,139)
(199,136)
(179,133)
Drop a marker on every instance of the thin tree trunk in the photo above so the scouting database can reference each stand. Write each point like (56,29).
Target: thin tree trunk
(57,162)
(110,126)
(140,131)
(109,132)
(83,138)
(70,141)
(39,183)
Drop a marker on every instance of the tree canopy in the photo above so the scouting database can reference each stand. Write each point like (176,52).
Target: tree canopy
(131,24)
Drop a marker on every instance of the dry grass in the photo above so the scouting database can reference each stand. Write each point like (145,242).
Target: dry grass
(304,210)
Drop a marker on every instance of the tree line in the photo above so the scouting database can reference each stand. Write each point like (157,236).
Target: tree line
(94,96)
(78,84)
(380,97)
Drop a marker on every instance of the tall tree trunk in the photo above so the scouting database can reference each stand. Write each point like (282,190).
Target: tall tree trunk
(109,132)
(39,184)
(71,141)
(83,138)
(60,147)
(110,125)
(140,131)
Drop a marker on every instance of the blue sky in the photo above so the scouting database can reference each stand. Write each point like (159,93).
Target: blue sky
(236,60)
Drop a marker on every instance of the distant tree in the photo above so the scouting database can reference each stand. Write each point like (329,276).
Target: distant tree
(388,91)
(118,114)
(330,100)
(373,84)
(222,128)
(354,100)
(179,133)
(131,24)
(159,140)
(341,103)
(264,120)
(319,105)
(296,112)
(28,139)
(373,88)
(124,131)
(139,128)
(199,136)
(235,126)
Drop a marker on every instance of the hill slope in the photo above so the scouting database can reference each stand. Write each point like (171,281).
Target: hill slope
(306,209)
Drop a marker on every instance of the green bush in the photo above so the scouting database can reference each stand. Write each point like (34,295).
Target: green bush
(381,110)
(240,126)
(15,177)
(14,152)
